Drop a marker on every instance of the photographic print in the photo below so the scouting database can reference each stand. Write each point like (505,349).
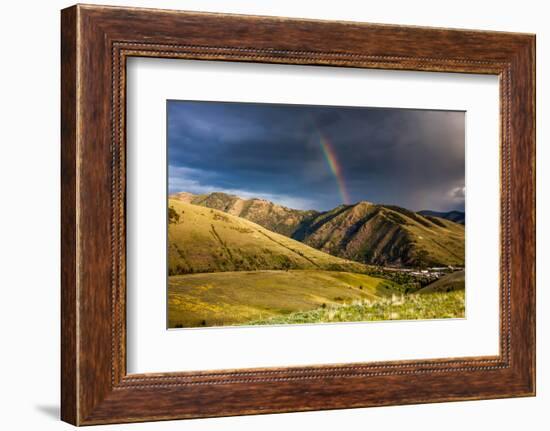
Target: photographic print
(301,214)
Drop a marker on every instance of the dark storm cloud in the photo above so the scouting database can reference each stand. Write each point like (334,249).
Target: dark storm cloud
(411,158)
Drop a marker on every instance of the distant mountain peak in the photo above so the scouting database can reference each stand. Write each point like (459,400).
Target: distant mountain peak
(182,196)
(455,216)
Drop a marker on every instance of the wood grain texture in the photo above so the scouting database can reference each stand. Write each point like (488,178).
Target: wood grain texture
(69,367)
(96,41)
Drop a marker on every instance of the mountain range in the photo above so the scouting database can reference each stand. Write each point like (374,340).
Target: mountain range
(456,216)
(362,232)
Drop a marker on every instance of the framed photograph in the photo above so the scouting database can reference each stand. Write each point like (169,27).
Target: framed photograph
(269,222)
(265,215)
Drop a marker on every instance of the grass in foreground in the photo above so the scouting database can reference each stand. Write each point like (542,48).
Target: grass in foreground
(236,298)
(434,305)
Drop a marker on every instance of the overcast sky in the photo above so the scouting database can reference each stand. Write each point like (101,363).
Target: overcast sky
(318,157)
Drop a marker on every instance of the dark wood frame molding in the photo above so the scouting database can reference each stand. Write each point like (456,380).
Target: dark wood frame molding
(95,43)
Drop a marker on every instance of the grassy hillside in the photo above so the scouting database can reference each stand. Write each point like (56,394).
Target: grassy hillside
(447,283)
(385,235)
(207,240)
(407,307)
(276,218)
(231,298)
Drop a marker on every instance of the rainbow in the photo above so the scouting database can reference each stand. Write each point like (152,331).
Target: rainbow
(334,167)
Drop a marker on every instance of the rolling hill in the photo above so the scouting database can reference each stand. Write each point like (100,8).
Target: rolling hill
(447,283)
(276,218)
(362,232)
(207,240)
(236,298)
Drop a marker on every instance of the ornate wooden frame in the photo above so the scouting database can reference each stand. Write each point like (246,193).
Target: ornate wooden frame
(95,42)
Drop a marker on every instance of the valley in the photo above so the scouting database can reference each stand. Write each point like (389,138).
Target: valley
(354,263)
